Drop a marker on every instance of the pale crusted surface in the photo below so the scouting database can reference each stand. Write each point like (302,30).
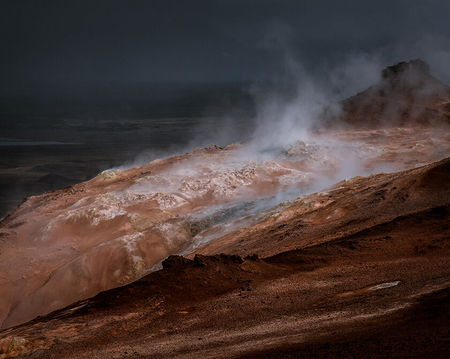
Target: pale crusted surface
(111,230)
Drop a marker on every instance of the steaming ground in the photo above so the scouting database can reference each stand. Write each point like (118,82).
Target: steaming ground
(297,187)
(116,227)
(30,164)
(358,269)
(98,130)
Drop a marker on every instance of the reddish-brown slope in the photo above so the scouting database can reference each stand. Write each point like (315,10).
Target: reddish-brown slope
(344,210)
(379,289)
(68,245)
(71,244)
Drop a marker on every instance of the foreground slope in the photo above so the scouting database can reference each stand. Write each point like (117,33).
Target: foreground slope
(377,286)
(350,210)
(70,244)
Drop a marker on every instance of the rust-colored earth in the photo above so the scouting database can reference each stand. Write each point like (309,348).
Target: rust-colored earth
(266,254)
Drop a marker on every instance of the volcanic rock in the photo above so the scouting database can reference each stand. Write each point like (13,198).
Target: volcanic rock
(413,72)
(406,94)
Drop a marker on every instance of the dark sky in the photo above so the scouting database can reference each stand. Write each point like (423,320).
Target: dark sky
(67,41)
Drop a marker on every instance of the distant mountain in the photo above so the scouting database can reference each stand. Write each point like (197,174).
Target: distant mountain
(405,94)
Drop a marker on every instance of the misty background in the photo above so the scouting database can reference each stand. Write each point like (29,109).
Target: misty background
(89,85)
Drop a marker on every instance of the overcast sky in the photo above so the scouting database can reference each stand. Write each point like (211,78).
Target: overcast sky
(216,40)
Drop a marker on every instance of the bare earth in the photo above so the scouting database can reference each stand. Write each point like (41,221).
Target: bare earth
(270,254)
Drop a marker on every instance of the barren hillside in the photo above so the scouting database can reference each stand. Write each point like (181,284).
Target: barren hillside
(334,246)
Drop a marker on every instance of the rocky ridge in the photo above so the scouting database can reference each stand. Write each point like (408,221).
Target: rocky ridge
(406,94)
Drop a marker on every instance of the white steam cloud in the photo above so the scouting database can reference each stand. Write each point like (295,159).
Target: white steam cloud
(290,102)
(282,148)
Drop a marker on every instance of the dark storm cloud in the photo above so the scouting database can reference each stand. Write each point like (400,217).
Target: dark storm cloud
(199,40)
